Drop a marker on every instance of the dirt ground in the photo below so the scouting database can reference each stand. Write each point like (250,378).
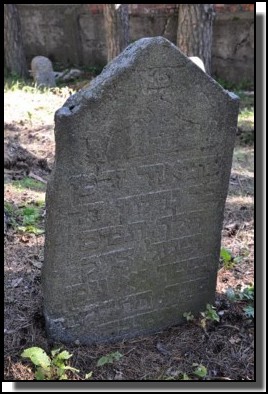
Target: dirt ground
(225,348)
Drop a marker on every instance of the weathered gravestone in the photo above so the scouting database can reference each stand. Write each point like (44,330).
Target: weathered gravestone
(42,71)
(135,204)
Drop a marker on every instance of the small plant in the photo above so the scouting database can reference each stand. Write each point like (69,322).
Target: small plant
(249,311)
(247,294)
(200,370)
(30,217)
(109,359)
(209,314)
(49,368)
(228,260)
(231,295)
(188,316)
(25,218)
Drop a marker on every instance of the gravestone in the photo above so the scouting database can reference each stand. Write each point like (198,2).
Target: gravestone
(136,199)
(42,72)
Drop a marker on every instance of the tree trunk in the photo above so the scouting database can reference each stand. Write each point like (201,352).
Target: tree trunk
(117,28)
(194,35)
(15,61)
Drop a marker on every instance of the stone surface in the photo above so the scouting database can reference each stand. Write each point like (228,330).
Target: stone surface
(136,199)
(42,71)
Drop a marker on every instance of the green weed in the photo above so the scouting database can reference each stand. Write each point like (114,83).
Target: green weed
(25,219)
(30,215)
(247,294)
(249,311)
(200,370)
(210,314)
(228,260)
(49,368)
(109,359)
(30,219)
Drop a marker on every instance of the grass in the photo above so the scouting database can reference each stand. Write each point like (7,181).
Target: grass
(27,218)
(235,87)
(242,179)
(246,115)
(29,183)
(246,119)
(15,84)
(246,101)
(243,161)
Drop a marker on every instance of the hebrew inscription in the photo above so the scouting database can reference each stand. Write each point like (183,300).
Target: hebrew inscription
(135,202)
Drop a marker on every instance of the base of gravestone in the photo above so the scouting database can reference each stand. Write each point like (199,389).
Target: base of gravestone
(56,330)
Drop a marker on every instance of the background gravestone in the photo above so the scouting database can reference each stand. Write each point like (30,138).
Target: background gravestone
(135,203)
(42,72)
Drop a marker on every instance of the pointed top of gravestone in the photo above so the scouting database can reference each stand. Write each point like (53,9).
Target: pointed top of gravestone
(155,52)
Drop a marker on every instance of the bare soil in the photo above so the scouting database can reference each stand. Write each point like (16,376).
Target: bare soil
(225,348)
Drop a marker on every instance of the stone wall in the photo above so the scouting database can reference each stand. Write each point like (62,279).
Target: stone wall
(73,34)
